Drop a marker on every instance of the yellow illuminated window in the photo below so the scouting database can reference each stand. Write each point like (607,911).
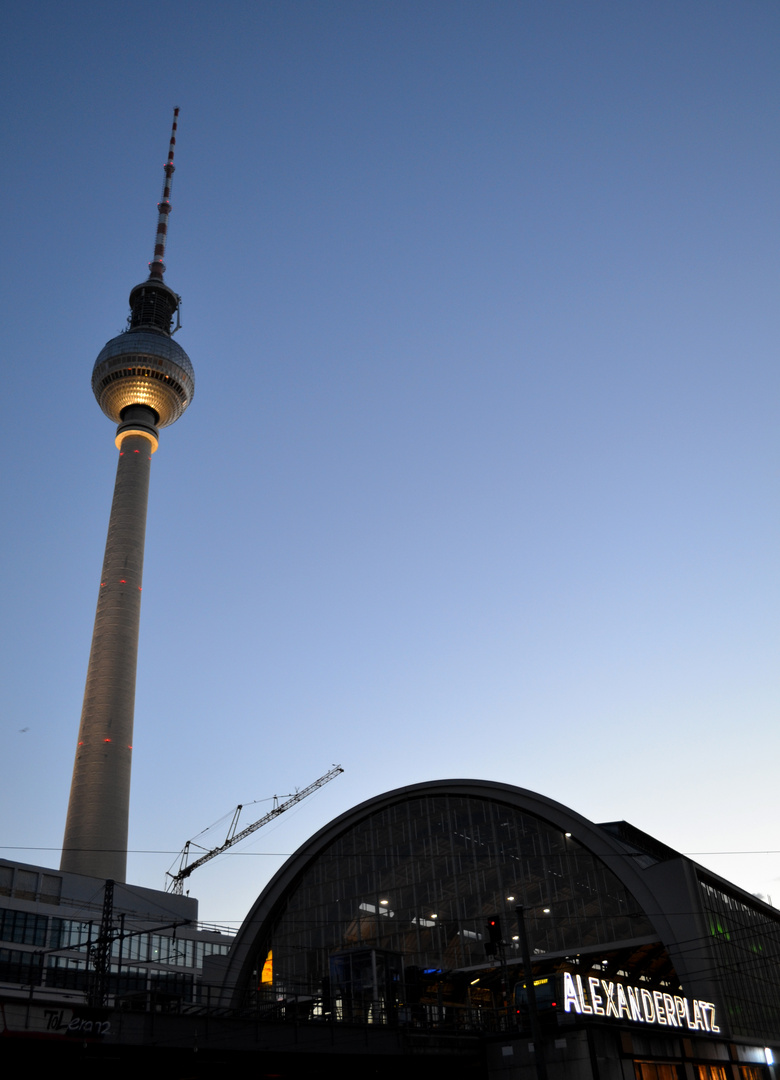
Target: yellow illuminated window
(646,1070)
(267,977)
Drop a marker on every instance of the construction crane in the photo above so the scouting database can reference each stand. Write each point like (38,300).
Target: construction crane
(176,884)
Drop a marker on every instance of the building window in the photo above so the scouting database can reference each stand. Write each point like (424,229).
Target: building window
(69,933)
(51,889)
(22,927)
(24,968)
(26,885)
(649,1070)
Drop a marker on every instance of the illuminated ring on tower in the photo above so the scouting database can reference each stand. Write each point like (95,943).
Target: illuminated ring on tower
(143,368)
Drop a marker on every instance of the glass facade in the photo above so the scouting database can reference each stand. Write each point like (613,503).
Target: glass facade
(419,880)
(746,948)
(24,968)
(70,933)
(23,927)
(138,959)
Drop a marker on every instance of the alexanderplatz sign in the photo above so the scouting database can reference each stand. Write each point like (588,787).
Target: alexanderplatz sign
(592,996)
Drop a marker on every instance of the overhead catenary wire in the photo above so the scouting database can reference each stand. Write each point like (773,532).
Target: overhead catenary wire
(286,854)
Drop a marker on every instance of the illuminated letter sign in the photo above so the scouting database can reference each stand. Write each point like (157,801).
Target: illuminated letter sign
(618,1001)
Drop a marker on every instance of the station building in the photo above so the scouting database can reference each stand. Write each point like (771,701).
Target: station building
(645,964)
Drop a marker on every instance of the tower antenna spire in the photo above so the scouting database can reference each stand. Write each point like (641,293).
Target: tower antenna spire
(157,265)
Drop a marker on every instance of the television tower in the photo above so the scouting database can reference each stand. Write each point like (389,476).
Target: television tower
(143,380)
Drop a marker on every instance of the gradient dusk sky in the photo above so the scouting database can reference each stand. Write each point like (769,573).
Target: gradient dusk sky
(480,478)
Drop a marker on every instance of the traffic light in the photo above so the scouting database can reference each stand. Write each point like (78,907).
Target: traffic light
(494,930)
(494,935)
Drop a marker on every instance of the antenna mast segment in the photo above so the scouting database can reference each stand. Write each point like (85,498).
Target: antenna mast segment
(157,266)
(176,884)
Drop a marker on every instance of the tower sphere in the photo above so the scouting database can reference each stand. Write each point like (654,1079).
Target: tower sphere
(143,367)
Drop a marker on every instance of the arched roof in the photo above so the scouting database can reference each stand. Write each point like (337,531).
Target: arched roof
(595,840)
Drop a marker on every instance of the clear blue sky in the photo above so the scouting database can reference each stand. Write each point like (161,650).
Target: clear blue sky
(480,477)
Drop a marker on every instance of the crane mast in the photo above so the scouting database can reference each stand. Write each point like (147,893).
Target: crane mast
(176,884)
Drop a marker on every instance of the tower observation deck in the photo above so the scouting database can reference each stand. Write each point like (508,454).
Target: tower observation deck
(143,380)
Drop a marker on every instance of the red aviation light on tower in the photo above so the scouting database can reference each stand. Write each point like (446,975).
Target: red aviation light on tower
(157,265)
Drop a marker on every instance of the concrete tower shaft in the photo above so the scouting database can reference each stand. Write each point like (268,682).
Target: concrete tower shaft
(96,829)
